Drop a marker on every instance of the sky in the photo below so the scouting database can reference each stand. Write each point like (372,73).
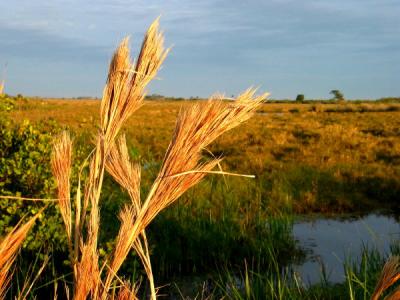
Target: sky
(61,48)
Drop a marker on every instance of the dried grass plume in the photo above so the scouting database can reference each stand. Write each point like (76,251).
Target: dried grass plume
(9,247)
(390,275)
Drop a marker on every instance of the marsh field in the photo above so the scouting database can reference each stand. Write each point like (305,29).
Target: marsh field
(323,173)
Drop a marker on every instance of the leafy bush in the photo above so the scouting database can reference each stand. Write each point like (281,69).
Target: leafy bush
(337,95)
(300,98)
(7,103)
(25,171)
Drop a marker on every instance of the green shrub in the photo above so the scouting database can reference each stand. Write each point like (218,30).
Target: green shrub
(300,98)
(337,95)
(25,171)
(7,103)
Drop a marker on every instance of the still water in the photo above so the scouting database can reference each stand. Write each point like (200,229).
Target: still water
(331,241)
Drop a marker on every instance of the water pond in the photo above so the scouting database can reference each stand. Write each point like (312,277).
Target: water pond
(326,241)
(329,241)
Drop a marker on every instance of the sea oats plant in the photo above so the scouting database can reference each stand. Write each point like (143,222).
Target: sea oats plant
(389,276)
(9,247)
(182,168)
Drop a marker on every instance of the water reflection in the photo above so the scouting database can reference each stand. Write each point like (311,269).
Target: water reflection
(331,241)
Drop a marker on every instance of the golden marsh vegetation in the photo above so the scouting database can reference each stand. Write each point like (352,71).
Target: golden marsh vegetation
(320,157)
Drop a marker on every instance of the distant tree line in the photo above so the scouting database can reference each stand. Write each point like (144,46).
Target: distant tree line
(338,97)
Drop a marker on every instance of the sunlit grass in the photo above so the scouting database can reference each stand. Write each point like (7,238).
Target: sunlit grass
(356,152)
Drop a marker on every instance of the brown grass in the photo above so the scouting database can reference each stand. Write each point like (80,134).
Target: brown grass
(61,168)
(197,126)
(9,247)
(123,94)
(127,174)
(150,128)
(390,275)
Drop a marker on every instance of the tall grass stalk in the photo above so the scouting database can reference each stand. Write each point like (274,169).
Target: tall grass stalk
(182,168)
(389,276)
(9,247)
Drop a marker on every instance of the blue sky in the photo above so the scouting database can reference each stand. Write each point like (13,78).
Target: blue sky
(62,48)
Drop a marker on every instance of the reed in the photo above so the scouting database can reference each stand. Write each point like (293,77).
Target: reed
(183,167)
(196,128)
(9,247)
(61,168)
(389,276)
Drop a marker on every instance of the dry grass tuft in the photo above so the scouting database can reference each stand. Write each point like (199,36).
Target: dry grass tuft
(87,277)
(127,293)
(390,275)
(5,278)
(61,168)
(182,168)
(123,94)
(127,174)
(124,91)
(195,129)
(9,247)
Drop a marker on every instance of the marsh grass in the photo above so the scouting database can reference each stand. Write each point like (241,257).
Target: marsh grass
(367,278)
(9,246)
(182,168)
(358,153)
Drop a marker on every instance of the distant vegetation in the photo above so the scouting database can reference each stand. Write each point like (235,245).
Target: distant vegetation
(389,100)
(306,157)
(7,103)
(300,98)
(337,95)
(315,141)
